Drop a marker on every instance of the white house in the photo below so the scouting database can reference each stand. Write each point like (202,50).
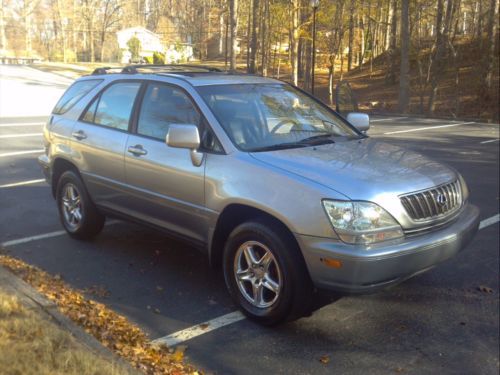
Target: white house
(150,42)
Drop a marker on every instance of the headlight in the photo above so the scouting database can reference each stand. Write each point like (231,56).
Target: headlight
(361,222)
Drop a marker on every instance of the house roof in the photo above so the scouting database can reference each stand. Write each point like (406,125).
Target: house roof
(137,29)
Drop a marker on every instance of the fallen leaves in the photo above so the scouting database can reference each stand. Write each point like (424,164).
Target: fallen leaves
(112,330)
(485,289)
(178,355)
(325,359)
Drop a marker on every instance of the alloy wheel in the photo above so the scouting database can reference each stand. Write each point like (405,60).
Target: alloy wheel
(71,206)
(257,274)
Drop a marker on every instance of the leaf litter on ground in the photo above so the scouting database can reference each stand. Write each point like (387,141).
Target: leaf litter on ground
(111,329)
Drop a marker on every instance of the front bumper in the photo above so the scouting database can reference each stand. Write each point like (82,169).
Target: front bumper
(366,268)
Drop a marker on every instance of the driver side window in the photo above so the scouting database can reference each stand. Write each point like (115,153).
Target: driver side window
(164,105)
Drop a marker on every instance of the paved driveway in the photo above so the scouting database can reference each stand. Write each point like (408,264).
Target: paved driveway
(436,322)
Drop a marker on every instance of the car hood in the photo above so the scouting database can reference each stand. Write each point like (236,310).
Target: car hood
(364,169)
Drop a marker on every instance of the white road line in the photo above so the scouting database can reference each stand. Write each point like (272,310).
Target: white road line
(200,329)
(388,119)
(33,238)
(489,141)
(43,236)
(22,183)
(20,135)
(21,124)
(21,153)
(430,127)
(489,221)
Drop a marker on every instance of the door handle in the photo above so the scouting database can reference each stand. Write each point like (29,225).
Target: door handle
(80,134)
(137,150)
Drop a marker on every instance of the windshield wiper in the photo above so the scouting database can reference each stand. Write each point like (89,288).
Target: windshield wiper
(317,140)
(278,146)
(310,141)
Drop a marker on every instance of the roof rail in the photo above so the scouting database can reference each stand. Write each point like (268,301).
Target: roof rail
(169,68)
(104,70)
(154,68)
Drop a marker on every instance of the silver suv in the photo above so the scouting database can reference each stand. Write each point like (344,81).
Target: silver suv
(277,188)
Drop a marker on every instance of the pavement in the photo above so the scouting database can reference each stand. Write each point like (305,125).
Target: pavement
(439,321)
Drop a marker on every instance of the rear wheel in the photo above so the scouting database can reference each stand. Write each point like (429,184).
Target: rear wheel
(266,274)
(77,212)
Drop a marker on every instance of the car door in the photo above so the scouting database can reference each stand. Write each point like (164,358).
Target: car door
(99,140)
(166,188)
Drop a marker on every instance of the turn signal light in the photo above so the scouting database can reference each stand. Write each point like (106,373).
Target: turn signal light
(334,263)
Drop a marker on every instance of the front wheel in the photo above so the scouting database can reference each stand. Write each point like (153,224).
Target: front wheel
(266,274)
(78,214)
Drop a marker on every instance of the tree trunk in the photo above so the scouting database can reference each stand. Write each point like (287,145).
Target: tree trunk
(249,30)
(492,37)
(253,52)
(221,33)
(362,42)
(392,66)
(3,39)
(351,35)
(404,78)
(295,41)
(233,15)
(264,36)
(27,29)
(91,39)
(435,66)
(479,26)
(331,71)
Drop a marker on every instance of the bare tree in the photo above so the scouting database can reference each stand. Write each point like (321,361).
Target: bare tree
(3,38)
(295,37)
(255,36)
(351,34)
(404,76)
(233,20)
(391,55)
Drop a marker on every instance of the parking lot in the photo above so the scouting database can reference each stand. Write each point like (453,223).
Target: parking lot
(437,321)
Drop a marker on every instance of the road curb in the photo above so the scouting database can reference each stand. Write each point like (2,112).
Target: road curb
(36,301)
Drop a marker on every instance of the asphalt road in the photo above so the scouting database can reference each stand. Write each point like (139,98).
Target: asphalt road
(437,322)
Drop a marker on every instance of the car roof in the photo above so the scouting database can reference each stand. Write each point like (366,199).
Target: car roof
(195,75)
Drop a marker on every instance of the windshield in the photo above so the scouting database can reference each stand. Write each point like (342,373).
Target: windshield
(261,117)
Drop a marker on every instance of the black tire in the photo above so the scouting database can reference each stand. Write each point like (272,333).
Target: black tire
(91,220)
(295,296)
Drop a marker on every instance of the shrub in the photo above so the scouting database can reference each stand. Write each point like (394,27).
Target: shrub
(158,58)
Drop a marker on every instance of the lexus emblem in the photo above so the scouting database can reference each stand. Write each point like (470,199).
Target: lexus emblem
(441,199)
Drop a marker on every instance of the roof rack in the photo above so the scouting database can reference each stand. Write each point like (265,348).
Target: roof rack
(104,70)
(152,68)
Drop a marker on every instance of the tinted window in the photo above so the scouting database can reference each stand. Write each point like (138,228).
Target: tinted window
(164,105)
(114,106)
(74,93)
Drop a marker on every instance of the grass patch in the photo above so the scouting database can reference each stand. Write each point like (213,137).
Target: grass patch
(31,344)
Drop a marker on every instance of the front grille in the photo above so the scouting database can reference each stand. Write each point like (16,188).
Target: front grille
(431,203)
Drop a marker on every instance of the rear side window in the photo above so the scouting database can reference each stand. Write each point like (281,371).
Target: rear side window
(73,94)
(113,107)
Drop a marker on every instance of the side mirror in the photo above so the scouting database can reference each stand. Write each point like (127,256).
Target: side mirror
(360,121)
(185,136)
